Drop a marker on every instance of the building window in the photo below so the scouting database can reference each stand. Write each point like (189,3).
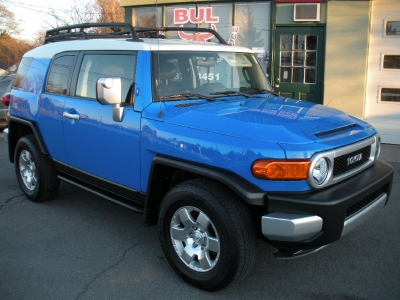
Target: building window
(392,28)
(391,62)
(298,58)
(253,23)
(390,94)
(147,17)
(249,26)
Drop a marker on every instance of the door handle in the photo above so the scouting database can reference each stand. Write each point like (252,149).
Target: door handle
(71,116)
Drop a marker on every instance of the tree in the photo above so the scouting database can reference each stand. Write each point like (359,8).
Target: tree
(109,11)
(7,20)
(12,49)
(77,12)
(86,12)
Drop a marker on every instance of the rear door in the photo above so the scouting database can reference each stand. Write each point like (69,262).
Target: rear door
(96,145)
(298,63)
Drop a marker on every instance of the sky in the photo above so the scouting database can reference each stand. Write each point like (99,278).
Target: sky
(31,13)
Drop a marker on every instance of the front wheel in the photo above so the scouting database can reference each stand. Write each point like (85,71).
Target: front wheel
(36,174)
(207,233)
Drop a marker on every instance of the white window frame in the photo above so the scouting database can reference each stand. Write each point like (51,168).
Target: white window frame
(384,28)
(381,63)
(387,87)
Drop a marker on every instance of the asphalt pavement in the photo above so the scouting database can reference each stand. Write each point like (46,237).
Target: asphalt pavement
(80,246)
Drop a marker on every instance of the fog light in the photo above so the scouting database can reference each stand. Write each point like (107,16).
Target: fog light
(320,171)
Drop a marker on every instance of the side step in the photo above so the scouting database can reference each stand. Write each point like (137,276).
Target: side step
(93,191)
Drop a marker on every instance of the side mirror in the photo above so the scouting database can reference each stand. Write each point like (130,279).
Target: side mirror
(109,90)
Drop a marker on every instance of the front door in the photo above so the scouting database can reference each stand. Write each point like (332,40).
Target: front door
(298,64)
(94,142)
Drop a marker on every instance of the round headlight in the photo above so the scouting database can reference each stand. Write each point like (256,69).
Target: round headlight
(320,171)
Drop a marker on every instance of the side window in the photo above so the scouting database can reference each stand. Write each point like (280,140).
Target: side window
(95,66)
(22,71)
(59,73)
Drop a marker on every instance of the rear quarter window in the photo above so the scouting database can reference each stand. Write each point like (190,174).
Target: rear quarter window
(22,71)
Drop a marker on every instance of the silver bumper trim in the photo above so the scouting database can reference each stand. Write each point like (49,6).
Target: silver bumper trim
(290,227)
(364,214)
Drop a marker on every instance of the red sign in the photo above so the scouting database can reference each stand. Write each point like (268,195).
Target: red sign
(198,36)
(186,15)
(189,15)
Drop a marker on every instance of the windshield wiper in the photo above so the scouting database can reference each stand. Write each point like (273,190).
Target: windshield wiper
(188,96)
(261,91)
(232,93)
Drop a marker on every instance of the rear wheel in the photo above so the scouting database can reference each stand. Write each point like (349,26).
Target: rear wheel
(207,233)
(36,174)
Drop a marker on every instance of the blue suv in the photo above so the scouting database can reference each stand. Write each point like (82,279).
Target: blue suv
(190,134)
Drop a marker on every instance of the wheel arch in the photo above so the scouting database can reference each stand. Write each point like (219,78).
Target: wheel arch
(166,172)
(18,128)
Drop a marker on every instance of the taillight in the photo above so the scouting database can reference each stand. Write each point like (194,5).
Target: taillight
(5,99)
(281,169)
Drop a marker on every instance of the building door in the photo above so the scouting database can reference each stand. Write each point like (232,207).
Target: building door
(298,63)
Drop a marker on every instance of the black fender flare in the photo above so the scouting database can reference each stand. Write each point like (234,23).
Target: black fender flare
(14,134)
(249,193)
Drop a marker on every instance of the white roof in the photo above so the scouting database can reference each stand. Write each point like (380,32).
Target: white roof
(49,50)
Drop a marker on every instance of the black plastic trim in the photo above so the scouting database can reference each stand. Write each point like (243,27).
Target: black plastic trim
(245,190)
(101,186)
(13,135)
(96,192)
(331,203)
(70,32)
(248,192)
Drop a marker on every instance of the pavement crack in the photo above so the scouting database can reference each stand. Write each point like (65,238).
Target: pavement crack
(2,206)
(86,288)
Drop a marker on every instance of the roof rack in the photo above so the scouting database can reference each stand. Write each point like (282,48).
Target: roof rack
(77,31)
(155,32)
(116,30)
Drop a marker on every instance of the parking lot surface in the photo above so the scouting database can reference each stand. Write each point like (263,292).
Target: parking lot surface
(80,246)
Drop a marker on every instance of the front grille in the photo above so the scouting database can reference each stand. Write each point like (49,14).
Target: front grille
(355,208)
(342,166)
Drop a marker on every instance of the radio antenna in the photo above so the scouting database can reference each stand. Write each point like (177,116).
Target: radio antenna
(160,114)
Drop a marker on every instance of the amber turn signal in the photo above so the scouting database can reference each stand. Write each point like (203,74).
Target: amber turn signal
(281,169)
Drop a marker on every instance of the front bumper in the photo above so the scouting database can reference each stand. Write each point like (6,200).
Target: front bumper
(309,220)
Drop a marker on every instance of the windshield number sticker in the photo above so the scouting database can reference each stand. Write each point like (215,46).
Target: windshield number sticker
(209,76)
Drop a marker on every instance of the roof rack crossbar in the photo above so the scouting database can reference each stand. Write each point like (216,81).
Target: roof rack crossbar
(157,30)
(71,31)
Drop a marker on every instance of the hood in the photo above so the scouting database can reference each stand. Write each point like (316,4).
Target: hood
(271,119)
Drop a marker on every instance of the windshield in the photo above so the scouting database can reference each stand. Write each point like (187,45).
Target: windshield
(177,74)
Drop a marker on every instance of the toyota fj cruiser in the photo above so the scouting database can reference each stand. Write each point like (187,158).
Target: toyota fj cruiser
(190,134)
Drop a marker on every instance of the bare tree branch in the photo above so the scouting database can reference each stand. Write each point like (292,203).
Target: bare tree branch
(7,20)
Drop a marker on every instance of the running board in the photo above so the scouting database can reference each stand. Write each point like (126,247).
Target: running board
(93,191)
(282,254)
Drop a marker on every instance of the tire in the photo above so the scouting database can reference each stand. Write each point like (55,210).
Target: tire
(207,234)
(36,174)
